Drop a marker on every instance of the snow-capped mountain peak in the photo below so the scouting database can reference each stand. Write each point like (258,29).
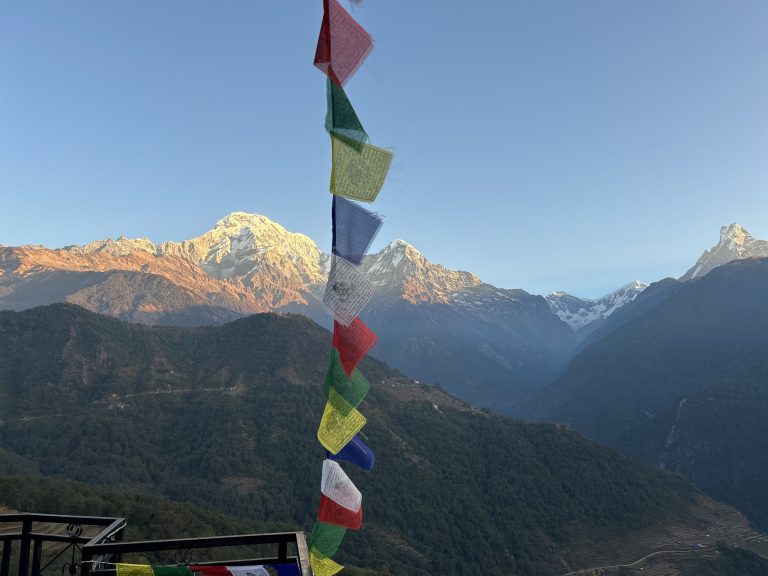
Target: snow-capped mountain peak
(735,243)
(402,269)
(241,244)
(240,247)
(390,258)
(581,312)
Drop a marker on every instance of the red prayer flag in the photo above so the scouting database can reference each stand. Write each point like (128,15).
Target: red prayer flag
(336,514)
(343,44)
(352,342)
(210,570)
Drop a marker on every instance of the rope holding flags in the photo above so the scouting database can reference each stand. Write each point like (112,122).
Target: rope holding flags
(358,171)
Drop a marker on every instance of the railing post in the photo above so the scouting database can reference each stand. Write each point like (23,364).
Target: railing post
(26,528)
(85,561)
(118,538)
(5,564)
(37,552)
(282,551)
(303,554)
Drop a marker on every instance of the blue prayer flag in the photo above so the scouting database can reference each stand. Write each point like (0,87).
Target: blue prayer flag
(286,569)
(357,452)
(354,228)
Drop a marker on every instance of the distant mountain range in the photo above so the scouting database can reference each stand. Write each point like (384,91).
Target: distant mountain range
(489,345)
(225,418)
(583,313)
(679,379)
(437,324)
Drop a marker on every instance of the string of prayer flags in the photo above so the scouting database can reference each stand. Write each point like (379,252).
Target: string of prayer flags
(123,569)
(333,513)
(325,538)
(252,570)
(356,452)
(342,45)
(352,342)
(339,488)
(352,388)
(354,228)
(341,118)
(347,291)
(338,427)
(358,170)
(321,565)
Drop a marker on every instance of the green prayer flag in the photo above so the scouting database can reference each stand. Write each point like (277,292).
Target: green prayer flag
(341,117)
(326,538)
(171,570)
(352,388)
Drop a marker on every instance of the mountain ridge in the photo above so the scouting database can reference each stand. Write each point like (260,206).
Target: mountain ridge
(489,345)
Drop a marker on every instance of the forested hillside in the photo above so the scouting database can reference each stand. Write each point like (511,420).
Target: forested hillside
(225,418)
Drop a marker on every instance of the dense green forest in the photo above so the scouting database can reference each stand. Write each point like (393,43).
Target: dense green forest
(225,419)
(152,517)
(148,516)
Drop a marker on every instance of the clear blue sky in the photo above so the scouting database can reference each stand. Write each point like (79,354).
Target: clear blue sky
(543,144)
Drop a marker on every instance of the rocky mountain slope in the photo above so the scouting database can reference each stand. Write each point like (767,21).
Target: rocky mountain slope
(682,384)
(225,418)
(735,244)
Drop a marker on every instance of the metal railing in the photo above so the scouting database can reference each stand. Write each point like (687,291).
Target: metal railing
(66,530)
(94,555)
(100,552)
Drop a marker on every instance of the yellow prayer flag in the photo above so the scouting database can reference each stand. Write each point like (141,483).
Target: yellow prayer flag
(134,570)
(358,170)
(322,566)
(338,427)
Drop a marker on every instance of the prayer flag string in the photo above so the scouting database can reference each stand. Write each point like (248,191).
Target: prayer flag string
(358,171)
(122,569)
